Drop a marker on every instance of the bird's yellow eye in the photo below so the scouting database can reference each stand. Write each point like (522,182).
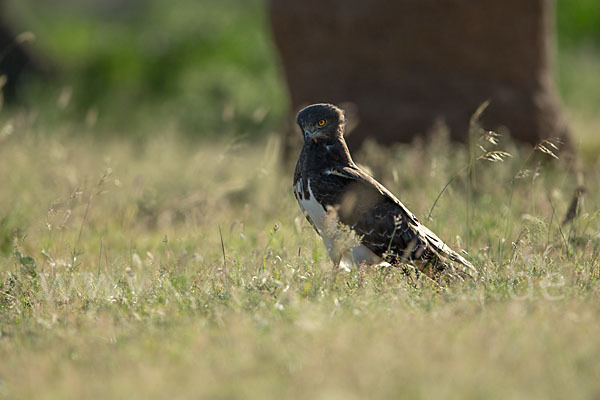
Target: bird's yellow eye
(321,122)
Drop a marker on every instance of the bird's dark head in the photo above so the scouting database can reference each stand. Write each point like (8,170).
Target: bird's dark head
(321,121)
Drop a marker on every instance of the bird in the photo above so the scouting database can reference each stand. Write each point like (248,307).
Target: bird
(336,195)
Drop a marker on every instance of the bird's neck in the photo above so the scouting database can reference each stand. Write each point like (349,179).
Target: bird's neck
(325,153)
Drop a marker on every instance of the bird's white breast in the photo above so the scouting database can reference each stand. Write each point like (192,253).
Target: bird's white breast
(317,214)
(311,206)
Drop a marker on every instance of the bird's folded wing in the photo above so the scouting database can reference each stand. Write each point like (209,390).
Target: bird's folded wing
(387,226)
(356,174)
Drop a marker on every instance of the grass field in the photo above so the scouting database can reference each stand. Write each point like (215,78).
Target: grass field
(115,283)
(171,267)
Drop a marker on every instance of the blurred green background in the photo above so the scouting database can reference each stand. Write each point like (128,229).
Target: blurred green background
(208,67)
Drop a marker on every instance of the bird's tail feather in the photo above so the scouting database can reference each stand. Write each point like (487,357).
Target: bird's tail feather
(461,260)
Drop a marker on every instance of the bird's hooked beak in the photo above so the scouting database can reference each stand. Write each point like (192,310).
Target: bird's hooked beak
(307,134)
(311,135)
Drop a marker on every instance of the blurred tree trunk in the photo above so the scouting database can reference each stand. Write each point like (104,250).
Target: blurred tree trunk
(16,59)
(411,66)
